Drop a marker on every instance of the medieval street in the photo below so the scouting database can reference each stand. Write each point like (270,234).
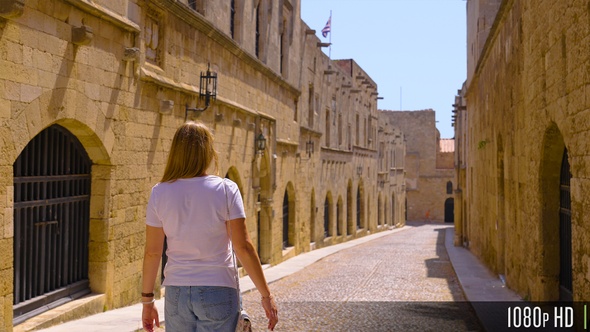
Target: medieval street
(400,282)
(464,208)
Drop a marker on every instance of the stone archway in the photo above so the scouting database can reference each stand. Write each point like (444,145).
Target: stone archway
(361,221)
(350,229)
(552,160)
(339,217)
(93,131)
(233,174)
(380,214)
(393,210)
(52,178)
(565,231)
(289,210)
(96,265)
(328,217)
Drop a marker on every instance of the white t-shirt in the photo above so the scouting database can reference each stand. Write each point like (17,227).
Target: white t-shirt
(193,214)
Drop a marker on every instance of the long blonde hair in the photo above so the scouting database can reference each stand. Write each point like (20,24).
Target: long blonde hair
(191,152)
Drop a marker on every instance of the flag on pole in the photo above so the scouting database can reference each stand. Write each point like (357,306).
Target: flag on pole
(328,27)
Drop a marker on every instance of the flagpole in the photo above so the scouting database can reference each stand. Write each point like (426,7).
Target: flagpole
(330,47)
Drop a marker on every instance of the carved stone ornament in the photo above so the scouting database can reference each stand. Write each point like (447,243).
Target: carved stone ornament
(166,106)
(131,54)
(11,8)
(82,35)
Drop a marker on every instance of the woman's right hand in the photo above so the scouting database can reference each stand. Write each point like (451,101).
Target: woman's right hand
(272,313)
(149,317)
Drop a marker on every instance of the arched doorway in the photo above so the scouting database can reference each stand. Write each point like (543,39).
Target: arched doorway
(312,217)
(327,215)
(565,232)
(379,211)
(358,208)
(289,211)
(449,210)
(385,215)
(339,224)
(349,219)
(51,222)
(393,223)
(286,220)
(555,227)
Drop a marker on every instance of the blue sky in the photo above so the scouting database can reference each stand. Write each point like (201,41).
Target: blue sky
(416,45)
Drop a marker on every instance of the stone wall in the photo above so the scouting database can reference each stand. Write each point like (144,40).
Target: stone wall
(526,104)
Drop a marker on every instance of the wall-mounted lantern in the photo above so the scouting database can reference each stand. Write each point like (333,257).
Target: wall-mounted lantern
(207,90)
(260,143)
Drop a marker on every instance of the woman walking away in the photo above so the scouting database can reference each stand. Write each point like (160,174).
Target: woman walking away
(198,214)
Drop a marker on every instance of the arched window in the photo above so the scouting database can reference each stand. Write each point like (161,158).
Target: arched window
(327,132)
(257,36)
(449,188)
(310,106)
(232,18)
(282,57)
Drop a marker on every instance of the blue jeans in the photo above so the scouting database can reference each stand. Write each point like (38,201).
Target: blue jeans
(201,308)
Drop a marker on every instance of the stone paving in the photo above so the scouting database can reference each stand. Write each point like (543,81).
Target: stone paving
(400,282)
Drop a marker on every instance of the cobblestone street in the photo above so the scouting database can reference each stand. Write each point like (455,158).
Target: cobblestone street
(400,282)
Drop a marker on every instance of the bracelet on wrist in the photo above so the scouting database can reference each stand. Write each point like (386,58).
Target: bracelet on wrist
(147,294)
(148,302)
(267,297)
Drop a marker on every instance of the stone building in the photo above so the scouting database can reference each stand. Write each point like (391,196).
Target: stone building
(429,166)
(91,93)
(524,124)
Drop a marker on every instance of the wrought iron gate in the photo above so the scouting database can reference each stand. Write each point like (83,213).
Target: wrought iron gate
(51,219)
(565,232)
